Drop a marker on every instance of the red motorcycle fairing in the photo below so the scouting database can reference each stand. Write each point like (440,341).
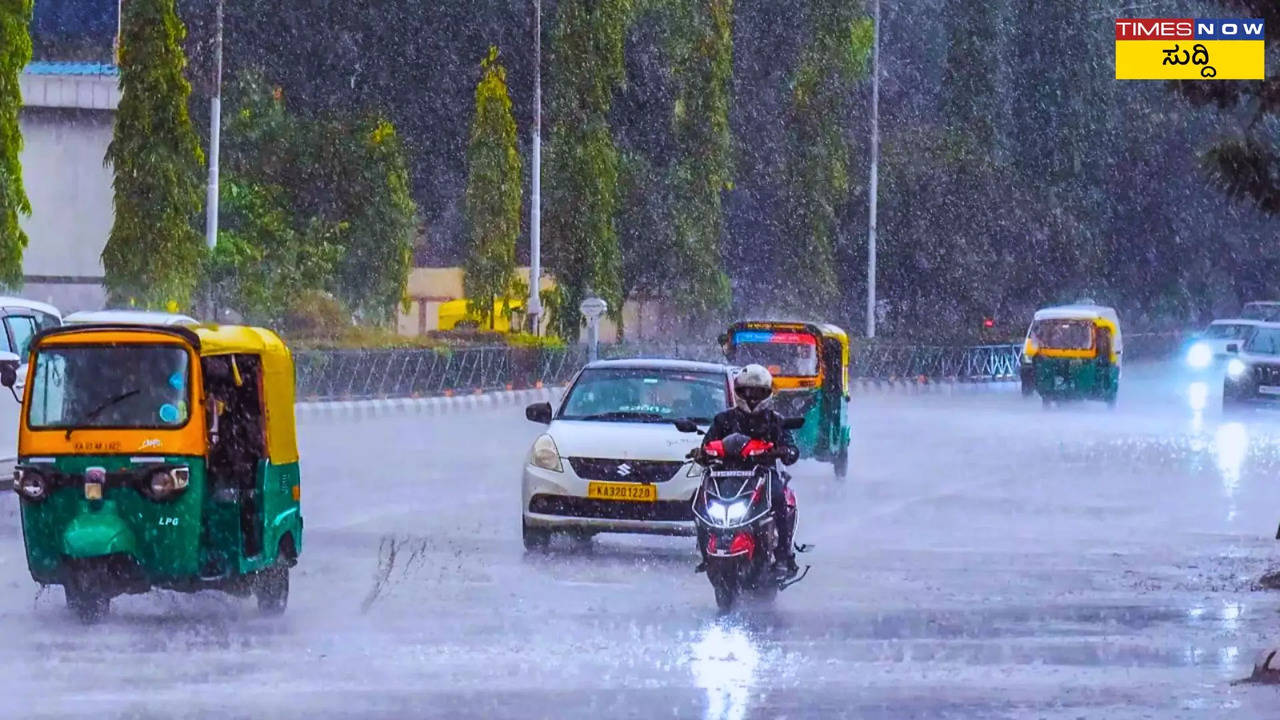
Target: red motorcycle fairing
(790,496)
(756,447)
(715,448)
(743,543)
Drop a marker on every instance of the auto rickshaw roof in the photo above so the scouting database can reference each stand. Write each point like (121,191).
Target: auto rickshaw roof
(233,339)
(1079,312)
(813,328)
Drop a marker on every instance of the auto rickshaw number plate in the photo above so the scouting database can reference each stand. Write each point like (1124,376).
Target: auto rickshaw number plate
(631,492)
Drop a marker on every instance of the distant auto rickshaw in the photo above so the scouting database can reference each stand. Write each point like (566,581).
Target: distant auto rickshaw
(810,367)
(158,456)
(1073,352)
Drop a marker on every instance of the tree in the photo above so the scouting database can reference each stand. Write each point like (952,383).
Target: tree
(703,68)
(582,160)
(15,53)
(493,193)
(969,99)
(1246,165)
(818,160)
(152,256)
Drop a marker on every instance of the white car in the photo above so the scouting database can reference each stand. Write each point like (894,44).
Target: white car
(1211,346)
(128,317)
(612,459)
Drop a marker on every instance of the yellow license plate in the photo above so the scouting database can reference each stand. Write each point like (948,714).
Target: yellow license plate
(632,492)
(92,491)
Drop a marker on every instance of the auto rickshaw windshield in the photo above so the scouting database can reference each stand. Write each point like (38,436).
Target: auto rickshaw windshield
(785,359)
(121,386)
(1063,334)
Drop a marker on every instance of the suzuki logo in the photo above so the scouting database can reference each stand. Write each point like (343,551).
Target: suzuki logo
(624,470)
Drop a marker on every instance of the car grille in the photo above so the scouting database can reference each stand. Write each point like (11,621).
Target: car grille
(638,471)
(1266,374)
(565,506)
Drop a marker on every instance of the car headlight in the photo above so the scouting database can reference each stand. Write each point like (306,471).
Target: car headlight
(544,454)
(164,484)
(30,484)
(737,511)
(1235,368)
(718,512)
(1200,356)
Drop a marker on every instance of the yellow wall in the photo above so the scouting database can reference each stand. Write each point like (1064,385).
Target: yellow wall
(429,288)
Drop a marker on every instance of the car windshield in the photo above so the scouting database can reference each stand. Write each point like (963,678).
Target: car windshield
(1063,334)
(640,395)
(1266,341)
(1228,331)
(785,359)
(1261,311)
(131,386)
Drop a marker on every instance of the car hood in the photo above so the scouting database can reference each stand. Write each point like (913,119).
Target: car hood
(621,440)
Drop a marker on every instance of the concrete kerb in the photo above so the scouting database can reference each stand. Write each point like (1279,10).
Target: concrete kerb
(440,405)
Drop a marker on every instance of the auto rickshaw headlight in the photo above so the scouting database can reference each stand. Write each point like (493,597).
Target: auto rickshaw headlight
(167,483)
(30,484)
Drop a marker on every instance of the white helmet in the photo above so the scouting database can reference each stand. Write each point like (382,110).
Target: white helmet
(753,386)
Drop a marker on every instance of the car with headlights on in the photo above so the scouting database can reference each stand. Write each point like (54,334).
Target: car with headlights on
(611,459)
(1205,358)
(1252,375)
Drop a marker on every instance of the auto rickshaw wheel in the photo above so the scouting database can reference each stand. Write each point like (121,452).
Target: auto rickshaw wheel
(272,586)
(88,604)
(841,463)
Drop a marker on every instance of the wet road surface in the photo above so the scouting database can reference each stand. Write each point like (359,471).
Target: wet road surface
(985,559)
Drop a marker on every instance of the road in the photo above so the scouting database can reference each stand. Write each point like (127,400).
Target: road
(986,559)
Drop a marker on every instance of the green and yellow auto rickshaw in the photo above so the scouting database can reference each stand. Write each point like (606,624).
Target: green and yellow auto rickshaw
(1073,352)
(153,456)
(810,367)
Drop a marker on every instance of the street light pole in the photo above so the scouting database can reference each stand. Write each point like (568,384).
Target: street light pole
(535,202)
(874,185)
(215,138)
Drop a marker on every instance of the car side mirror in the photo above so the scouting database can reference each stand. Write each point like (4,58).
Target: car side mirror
(539,413)
(1233,347)
(686,425)
(792,423)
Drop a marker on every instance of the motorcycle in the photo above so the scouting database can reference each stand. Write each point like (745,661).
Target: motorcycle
(733,512)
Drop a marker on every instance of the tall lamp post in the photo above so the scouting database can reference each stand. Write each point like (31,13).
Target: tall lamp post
(873,190)
(535,202)
(215,138)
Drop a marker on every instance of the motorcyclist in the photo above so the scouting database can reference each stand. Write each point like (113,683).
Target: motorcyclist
(752,416)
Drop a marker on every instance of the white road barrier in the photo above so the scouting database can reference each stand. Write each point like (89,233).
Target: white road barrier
(429,406)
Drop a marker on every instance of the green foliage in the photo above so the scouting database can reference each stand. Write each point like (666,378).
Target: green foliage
(493,194)
(818,170)
(263,261)
(152,256)
(582,160)
(310,204)
(968,76)
(703,70)
(15,53)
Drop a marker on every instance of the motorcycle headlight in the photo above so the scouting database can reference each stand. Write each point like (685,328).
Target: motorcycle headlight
(1200,356)
(30,484)
(544,454)
(165,484)
(718,512)
(737,511)
(1235,368)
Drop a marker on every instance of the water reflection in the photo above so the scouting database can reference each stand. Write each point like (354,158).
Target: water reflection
(723,661)
(1231,446)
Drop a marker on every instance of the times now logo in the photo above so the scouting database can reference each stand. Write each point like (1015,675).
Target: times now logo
(1188,29)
